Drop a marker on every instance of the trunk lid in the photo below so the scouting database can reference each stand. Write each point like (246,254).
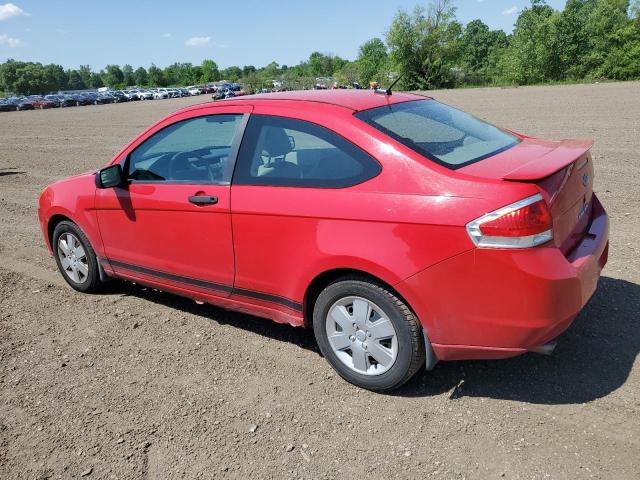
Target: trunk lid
(563,170)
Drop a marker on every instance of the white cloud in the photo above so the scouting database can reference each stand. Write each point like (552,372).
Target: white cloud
(510,11)
(9,10)
(9,41)
(197,41)
(166,35)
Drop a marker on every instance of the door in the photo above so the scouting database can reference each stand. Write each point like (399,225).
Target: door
(170,223)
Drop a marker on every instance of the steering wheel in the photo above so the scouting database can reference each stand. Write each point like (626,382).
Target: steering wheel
(191,161)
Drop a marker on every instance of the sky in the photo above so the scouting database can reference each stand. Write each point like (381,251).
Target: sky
(247,32)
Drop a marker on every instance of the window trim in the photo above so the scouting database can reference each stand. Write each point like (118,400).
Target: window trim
(233,153)
(235,181)
(422,152)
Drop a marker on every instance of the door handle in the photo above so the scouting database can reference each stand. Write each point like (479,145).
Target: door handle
(203,199)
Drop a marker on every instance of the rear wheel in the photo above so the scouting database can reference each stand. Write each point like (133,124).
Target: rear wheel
(367,334)
(75,257)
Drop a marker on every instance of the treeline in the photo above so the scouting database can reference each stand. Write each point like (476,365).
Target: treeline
(587,40)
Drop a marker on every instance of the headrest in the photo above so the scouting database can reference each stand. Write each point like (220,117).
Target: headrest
(276,142)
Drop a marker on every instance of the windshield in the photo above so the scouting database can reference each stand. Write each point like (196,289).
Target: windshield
(448,136)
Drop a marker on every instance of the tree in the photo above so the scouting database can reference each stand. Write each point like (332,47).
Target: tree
(156,77)
(479,47)
(128,77)
(75,81)
(372,60)
(85,74)
(348,74)
(571,37)
(141,77)
(96,79)
(113,76)
(247,69)
(182,74)
(30,78)
(56,78)
(533,51)
(209,71)
(423,45)
(324,65)
(231,74)
(614,41)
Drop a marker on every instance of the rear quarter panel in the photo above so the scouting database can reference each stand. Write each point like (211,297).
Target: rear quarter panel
(411,216)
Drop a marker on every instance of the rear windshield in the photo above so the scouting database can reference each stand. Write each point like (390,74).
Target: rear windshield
(448,136)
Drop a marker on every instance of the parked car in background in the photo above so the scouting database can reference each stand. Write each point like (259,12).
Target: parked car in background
(107,97)
(223,93)
(40,102)
(145,94)
(99,98)
(160,93)
(132,95)
(60,100)
(5,106)
(90,98)
(119,96)
(20,103)
(193,90)
(83,99)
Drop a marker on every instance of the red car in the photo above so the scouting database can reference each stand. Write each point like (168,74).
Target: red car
(41,102)
(404,231)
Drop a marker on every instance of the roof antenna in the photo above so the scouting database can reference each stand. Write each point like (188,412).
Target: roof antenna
(388,90)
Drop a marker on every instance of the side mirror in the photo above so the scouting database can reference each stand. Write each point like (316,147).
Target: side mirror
(292,141)
(109,176)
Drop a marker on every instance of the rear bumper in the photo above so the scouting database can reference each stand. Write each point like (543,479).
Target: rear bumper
(493,303)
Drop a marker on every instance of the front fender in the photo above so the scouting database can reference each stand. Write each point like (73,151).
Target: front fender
(73,199)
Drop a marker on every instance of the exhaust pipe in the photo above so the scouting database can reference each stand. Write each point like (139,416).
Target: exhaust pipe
(545,348)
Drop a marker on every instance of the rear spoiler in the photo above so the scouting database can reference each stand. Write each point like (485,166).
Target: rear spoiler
(567,152)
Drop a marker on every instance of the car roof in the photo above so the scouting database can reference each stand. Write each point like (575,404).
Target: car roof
(355,100)
(348,98)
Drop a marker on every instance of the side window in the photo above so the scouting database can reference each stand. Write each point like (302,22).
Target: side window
(195,150)
(282,151)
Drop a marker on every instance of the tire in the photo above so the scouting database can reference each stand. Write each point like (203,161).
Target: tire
(88,280)
(401,347)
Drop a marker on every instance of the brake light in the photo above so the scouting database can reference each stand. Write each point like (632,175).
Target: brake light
(522,224)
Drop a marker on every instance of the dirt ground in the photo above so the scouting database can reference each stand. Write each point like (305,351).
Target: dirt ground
(137,384)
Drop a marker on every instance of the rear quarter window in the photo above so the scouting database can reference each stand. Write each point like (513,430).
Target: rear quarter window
(279,151)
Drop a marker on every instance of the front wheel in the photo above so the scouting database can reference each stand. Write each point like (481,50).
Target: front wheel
(367,334)
(75,257)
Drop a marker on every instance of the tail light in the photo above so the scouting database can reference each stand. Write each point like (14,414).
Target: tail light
(522,224)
